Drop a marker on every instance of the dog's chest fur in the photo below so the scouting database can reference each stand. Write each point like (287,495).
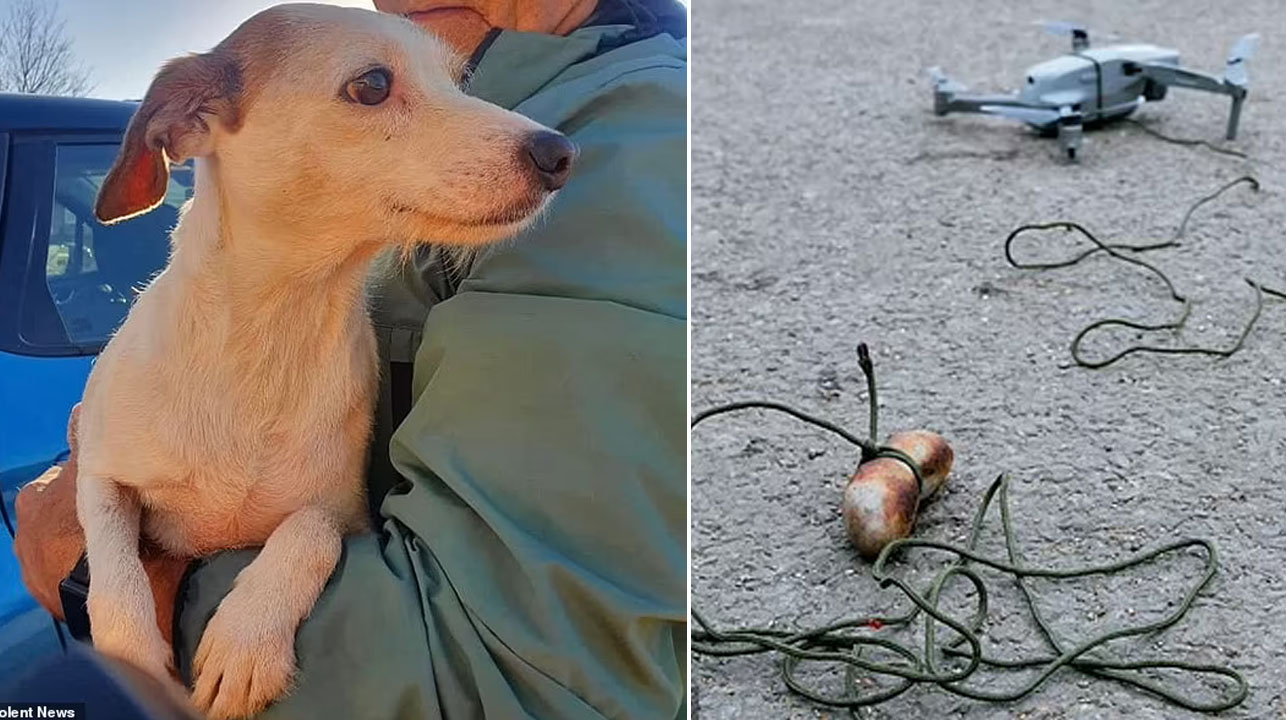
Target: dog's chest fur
(225,428)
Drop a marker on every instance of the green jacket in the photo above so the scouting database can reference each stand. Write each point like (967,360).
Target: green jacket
(530,553)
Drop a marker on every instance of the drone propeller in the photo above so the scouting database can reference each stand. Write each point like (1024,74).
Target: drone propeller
(1240,54)
(942,83)
(1079,34)
(1035,116)
(1062,27)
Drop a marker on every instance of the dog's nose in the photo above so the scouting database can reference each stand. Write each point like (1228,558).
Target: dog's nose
(552,154)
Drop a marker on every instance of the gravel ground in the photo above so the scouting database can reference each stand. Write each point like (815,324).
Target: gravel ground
(832,207)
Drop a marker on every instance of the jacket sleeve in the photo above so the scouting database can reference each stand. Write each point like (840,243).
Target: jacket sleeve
(532,563)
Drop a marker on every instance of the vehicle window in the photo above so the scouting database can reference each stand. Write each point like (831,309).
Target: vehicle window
(93,270)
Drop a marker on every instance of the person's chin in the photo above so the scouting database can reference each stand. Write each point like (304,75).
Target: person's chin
(461,26)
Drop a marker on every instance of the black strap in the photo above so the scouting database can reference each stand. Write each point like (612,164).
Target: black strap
(481,50)
(74,592)
(400,401)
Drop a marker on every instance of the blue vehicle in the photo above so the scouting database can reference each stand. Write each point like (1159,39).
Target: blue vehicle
(66,282)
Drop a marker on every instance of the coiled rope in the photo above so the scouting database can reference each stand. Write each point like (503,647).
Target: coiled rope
(1119,251)
(849,642)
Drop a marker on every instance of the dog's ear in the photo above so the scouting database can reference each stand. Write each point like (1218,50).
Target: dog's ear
(73,428)
(171,125)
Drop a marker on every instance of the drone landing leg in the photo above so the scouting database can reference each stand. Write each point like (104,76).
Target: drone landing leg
(1070,135)
(1234,116)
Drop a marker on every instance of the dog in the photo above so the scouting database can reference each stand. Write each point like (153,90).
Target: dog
(234,406)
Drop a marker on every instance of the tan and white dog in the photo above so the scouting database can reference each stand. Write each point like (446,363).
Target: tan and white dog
(234,406)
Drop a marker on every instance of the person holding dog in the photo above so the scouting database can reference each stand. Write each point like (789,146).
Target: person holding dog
(527,483)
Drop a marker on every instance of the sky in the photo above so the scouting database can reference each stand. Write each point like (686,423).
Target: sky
(124,42)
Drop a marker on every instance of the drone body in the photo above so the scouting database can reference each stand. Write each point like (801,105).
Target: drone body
(1096,86)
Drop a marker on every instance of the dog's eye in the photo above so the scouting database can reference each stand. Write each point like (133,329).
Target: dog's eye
(370,88)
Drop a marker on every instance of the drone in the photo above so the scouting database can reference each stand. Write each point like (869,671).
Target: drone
(1096,86)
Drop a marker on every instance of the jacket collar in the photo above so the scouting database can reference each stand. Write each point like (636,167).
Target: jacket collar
(514,65)
(511,66)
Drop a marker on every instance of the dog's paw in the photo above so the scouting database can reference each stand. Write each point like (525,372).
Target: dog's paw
(245,660)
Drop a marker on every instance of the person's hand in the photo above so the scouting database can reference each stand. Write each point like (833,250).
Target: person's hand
(50,541)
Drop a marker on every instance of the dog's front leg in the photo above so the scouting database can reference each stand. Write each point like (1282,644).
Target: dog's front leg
(122,611)
(246,657)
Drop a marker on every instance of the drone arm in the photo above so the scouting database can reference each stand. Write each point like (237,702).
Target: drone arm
(1179,77)
(1066,120)
(980,103)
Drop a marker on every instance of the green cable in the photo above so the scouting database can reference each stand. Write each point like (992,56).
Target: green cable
(1186,141)
(844,642)
(1118,251)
